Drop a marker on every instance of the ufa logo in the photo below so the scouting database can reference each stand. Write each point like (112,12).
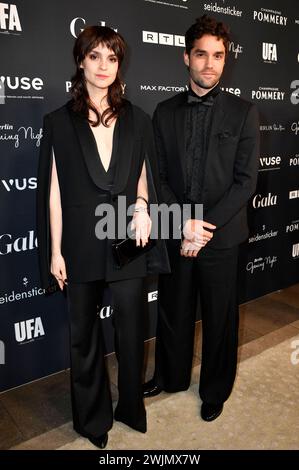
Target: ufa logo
(29,329)
(295,250)
(269,52)
(9,18)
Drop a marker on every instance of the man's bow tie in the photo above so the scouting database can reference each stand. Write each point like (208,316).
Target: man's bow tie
(206,101)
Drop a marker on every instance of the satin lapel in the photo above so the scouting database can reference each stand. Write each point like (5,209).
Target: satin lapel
(180,115)
(217,123)
(125,148)
(88,147)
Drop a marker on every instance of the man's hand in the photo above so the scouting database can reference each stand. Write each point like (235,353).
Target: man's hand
(190,249)
(194,231)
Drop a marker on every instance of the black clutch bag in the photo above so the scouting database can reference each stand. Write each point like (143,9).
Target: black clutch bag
(125,251)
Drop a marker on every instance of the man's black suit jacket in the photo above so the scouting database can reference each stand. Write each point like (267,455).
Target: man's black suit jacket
(231,166)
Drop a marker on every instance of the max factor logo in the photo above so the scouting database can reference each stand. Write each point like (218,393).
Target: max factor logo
(269,52)
(164,39)
(20,184)
(29,329)
(264,201)
(9,18)
(77,22)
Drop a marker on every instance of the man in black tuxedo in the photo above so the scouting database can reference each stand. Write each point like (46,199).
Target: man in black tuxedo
(207,143)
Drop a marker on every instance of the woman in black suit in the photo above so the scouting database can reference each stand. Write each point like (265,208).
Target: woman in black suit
(95,149)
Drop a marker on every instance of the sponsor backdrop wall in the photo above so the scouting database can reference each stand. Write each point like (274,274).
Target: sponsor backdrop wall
(36,41)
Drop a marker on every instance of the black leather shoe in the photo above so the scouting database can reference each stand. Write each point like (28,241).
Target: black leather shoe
(100,442)
(151,389)
(209,412)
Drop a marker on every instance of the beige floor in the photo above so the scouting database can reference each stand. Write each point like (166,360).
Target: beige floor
(37,415)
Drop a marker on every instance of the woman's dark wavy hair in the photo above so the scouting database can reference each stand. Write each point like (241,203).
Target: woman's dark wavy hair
(207,25)
(87,40)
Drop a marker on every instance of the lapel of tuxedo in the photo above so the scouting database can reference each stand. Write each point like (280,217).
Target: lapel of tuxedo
(89,148)
(218,118)
(125,148)
(90,151)
(180,126)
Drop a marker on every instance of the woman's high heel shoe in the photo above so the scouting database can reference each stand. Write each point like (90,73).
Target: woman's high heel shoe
(100,442)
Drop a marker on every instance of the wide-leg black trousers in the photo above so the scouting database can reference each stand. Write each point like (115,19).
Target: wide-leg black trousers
(91,399)
(212,276)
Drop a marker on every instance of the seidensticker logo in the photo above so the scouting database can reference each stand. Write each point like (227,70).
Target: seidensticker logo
(225,9)
(9,18)
(164,39)
(28,330)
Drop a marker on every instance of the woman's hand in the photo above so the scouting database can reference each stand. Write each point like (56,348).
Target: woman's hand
(58,269)
(142,224)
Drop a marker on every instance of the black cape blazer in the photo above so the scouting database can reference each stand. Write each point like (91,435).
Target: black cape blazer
(231,165)
(69,136)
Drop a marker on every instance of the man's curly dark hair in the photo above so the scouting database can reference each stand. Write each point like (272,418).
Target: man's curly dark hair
(207,25)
